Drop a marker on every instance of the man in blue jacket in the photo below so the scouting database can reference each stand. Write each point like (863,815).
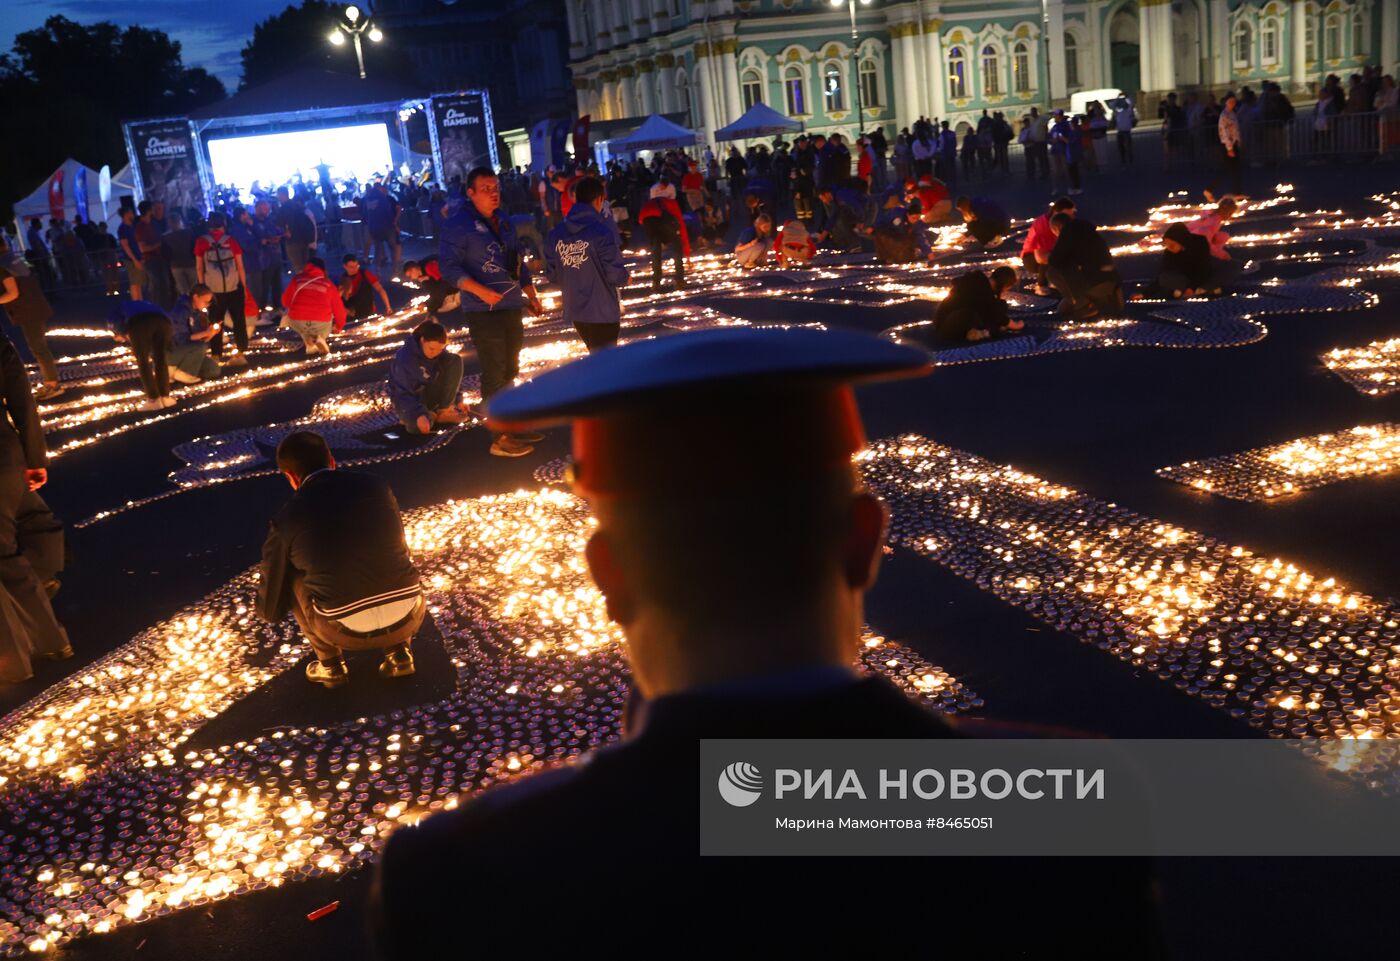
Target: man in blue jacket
(583,258)
(425,380)
(479,253)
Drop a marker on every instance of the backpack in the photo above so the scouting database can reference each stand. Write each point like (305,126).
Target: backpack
(220,267)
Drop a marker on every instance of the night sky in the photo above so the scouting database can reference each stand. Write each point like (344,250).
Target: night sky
(210,33)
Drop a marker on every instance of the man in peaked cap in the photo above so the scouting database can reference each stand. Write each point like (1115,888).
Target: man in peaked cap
(736,570)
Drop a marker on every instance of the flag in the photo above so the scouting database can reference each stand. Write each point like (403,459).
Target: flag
(80,198)
(56,194)
(539,146)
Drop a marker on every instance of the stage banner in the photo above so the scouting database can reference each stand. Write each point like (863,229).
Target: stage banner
(463,134)
(80,198)
(56,195)
(164,162)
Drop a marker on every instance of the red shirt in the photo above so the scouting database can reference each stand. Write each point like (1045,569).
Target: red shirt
(693,181)
(202,244)
(1041,237)
(360,276)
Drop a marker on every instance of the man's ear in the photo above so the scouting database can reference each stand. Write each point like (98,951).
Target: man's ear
(291,479)
(331,456)
(607,574)
(865,540)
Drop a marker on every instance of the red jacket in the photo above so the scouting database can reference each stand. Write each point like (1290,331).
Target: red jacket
(312,296)
(654,208)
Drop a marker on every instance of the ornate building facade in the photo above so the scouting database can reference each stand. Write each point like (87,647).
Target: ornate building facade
(951,59)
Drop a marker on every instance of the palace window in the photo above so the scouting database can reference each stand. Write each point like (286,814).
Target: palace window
(957,73)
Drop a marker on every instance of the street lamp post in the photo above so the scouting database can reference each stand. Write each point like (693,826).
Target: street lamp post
(355,24)
(855,60)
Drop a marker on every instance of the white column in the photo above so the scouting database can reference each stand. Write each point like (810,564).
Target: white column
(729,68)
(629,99)
(667,102)
(906,71)
(938,73)
(1390,36)
(646,80)
(702,89)
(1059,84)
(1221,56)
(1155,45)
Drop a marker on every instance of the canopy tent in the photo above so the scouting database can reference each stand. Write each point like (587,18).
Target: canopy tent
(760,120)
(656,133)
(37,203)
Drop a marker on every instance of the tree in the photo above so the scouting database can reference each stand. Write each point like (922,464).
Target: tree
(298,37)
(67,87)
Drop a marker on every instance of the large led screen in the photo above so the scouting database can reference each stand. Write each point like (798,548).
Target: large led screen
(275,158)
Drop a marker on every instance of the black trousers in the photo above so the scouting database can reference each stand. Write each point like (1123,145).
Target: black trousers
(27,622)
(497,336)
(149,336)
(597,336)
(230,303)
(985,231)
(1125,146)
(1231,174)
(659,249)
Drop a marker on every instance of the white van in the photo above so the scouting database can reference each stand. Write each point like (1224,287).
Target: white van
(1079,102)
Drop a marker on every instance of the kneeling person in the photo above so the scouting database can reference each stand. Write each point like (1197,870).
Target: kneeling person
(1187,268)
(443,298)
(314,307)
(425,380)
(973,309)
(336,558)
(190,333)
(986,222)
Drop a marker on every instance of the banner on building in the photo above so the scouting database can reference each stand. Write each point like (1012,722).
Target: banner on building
(164,163)
(581,138)
(539,146)
(462,133)
(56,195)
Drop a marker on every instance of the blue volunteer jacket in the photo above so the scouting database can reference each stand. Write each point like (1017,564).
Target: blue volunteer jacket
(470,247)
(185,320)
(409,373)
(583,259)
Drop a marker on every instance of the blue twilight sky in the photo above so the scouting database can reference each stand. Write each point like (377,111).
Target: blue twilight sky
(211,32)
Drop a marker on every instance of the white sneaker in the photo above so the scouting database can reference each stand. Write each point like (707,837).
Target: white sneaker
(167,401)
(151,404)
(180,377)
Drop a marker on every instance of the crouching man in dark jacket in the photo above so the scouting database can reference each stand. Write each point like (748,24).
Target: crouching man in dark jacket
(425,380)
(335,557)
(582,257)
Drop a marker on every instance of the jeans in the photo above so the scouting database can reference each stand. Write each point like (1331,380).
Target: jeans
(185,278)
(230,303)
(498,336)
(35,337)
(659,250)
(267,285)
(149,337)
(27,622)
(330,639)
(442,389)
(297,254)
(160,287)
(193,359)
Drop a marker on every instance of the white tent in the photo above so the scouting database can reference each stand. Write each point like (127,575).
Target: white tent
(655,133)
(760,120)
(37,203)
